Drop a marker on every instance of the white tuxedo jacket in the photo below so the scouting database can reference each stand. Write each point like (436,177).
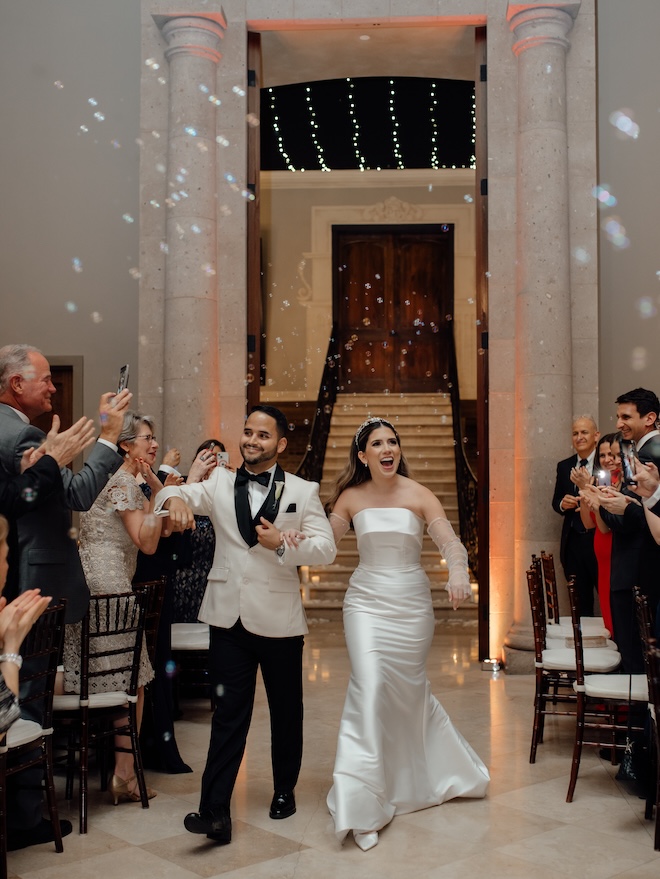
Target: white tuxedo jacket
(251,582)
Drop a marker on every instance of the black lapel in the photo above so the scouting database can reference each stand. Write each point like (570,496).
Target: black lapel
(271,505)
(243,515)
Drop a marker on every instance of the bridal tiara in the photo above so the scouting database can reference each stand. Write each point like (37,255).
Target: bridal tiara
(372,420)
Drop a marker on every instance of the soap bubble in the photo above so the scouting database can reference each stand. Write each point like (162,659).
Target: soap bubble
(76,264)
(71,307)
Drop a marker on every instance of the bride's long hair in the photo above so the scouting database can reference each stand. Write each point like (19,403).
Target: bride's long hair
(355,473)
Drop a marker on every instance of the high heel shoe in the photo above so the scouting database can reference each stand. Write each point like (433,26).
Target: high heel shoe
(365,839)
(126,790)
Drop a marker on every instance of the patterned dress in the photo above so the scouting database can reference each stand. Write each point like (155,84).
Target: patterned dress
(108,557)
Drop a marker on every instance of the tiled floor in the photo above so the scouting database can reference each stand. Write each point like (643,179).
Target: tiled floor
(524,828)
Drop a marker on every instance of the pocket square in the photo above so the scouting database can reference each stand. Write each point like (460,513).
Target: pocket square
(291,508)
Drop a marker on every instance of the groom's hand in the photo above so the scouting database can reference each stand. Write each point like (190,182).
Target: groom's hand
(180,516)
(268,535)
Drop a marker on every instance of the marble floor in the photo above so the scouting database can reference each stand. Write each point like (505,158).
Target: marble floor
(523,828)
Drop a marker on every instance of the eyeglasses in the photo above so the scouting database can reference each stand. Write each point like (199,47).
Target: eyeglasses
(149,437)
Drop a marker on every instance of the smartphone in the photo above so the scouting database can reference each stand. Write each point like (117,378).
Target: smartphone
(603,477)
(123,378)
(223,458)
(628,461)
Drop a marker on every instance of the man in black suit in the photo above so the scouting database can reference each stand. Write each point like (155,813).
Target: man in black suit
(577,543)
(635,554)
(45,555)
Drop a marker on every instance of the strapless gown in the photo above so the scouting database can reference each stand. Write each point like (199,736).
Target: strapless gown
(398,751)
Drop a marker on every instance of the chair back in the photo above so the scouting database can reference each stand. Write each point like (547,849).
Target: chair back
(550,581)
(41,651)
(645,626)
(155,590)
(577,632)
(538,613)
(113,630)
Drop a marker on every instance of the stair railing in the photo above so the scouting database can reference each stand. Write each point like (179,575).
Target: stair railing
(311,466)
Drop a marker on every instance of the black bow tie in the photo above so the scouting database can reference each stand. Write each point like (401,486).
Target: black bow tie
(243,477)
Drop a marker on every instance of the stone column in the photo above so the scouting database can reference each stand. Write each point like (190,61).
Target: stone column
(190,383)
(543,307)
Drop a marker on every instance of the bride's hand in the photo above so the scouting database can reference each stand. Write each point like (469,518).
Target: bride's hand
(459,592)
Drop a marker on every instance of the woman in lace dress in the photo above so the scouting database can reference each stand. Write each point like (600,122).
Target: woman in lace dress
(397,750)
(120,522)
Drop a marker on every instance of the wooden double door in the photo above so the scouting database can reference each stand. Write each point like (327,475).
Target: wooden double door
(393,300)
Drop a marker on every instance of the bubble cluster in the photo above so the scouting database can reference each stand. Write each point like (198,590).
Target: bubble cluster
(76,265)
(622,120)
(646,307)
(96,317)
(616,233)
(29,494)
(58,84)
(638,359)
(127,218)
(152,63)
(237,90)
(603,194)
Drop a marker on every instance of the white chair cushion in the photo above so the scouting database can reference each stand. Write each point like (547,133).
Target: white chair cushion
(590,626)
(71,701)
(616,687)
(595,659)
(23,731)
(190,636)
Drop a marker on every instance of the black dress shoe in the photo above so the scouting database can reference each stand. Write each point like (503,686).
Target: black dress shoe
(283,805)
(43,832)
(216,825)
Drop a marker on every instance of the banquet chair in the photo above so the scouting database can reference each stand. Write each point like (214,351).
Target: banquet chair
(592,627)
(113,629)
(653,659)
(555,667)
(645,626)
(155,590)
(29,742)
(604,701)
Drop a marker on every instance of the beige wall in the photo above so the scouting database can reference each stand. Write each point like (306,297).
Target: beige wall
(64,191)
(629,73)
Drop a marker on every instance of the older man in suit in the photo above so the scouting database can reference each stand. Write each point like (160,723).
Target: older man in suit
(267,522)
(46,556)
(577,543)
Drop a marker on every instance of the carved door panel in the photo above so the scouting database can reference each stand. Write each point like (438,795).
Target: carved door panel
(392,291)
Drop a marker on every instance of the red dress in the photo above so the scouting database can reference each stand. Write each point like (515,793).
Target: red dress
(603,551)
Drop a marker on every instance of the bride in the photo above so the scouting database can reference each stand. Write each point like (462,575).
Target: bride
(397,750)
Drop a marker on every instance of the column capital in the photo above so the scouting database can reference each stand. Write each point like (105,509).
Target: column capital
(541,23)
(198,35)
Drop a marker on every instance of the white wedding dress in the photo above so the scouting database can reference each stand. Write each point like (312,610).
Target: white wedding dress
(397,750)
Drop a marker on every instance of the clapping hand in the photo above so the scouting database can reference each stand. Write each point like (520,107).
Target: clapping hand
(615,502)
(581,477)
(647,479)
(18,617)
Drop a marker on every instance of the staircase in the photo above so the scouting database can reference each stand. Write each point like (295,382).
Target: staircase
(424,423)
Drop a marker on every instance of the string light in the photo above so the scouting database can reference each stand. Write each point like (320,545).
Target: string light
(315,128)
(395,133)
(473,158)
(276,129)
(434,127)
(356,125)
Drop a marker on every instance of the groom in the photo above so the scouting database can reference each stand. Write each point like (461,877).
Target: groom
(254,608)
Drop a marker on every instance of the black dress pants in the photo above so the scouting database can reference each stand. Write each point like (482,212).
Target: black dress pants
(580,560)
(234,657)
